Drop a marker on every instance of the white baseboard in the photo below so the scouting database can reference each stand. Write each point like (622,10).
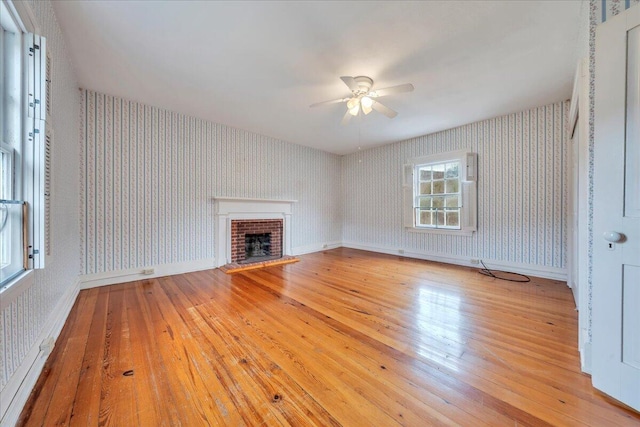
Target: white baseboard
(528,269)
(89,281)
(15,394)
(316,247)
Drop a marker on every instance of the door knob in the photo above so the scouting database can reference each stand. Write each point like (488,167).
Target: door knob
(613,236)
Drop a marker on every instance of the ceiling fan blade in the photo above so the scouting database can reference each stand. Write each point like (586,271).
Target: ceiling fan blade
(346,118)
(407,87)
(380,108)
(351,83)
(333,101)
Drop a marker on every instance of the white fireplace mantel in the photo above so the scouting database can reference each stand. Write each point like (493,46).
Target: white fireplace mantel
(233,208)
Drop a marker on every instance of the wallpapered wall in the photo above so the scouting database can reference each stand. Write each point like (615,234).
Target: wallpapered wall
(148,177)
(604,9)
(522,191)
(24,317)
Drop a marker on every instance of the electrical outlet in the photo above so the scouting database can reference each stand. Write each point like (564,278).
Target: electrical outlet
(148,271)
(474,261)
(46,346)
(401,251)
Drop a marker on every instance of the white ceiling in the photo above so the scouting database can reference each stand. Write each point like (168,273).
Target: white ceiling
(259,65)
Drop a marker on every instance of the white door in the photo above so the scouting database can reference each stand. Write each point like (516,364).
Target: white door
(616,218)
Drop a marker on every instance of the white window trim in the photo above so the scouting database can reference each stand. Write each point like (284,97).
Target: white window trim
(468,211)
(25,17)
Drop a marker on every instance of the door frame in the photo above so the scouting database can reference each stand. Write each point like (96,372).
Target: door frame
(578,198)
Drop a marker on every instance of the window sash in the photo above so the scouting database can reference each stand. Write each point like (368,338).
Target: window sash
(23,84)
(434,183)
(12,238)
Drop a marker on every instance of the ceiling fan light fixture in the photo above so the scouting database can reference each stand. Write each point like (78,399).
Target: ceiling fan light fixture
(364,99)
(367,104)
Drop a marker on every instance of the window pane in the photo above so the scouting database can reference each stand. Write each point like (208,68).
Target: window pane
(451,170)
(425,174)
(5,175)
(425,202)
(438,171)
(453,219)
(451,186)
(439,218)
(425,218)
(438,187)
(425,188)
(451,201)
(438,202)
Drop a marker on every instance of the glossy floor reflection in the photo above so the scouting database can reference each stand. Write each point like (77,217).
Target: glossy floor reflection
(343,337)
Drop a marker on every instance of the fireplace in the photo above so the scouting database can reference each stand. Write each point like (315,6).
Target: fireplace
(256,240)
(232,214)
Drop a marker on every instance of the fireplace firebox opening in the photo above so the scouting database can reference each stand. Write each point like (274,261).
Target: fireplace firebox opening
(255,241)
(257,245)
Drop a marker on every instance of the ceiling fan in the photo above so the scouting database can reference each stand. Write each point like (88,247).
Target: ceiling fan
(364,99)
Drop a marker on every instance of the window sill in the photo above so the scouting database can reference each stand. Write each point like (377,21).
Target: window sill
(439,231)
(13,289)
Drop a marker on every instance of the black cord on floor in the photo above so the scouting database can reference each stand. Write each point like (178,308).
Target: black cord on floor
(520,278)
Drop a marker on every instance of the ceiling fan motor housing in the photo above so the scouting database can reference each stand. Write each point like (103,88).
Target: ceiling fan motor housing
(364,83)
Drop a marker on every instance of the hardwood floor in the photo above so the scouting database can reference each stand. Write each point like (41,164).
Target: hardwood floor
(343,337)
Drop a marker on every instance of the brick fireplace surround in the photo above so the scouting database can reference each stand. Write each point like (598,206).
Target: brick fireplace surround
(229,210)
(249,226)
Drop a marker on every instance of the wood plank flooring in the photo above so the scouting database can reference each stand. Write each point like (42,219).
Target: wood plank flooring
(342,338)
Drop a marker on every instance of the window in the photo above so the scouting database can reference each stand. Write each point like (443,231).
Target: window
(440,193)
(22,145)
